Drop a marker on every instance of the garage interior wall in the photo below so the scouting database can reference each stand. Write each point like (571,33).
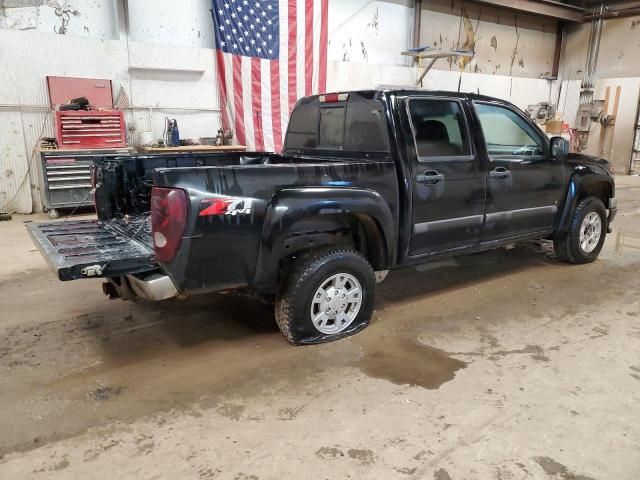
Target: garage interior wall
(165,66)
(161,55)
(617,66)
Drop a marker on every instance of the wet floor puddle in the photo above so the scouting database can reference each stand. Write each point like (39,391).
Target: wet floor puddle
(404,362)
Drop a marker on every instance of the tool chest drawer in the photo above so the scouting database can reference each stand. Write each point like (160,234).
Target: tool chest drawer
(92,129)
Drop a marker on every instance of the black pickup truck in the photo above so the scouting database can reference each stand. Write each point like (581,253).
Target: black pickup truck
(368,181)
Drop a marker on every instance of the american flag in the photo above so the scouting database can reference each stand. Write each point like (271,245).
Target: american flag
(269,53)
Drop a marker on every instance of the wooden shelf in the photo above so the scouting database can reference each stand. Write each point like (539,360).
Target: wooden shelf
(193,71)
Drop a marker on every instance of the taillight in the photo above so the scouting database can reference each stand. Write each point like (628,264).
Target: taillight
(168,219)
(334,97)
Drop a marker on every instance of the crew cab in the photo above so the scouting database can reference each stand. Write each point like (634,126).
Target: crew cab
(368,181)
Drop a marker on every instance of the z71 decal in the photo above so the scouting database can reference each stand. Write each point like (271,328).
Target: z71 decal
(225,206)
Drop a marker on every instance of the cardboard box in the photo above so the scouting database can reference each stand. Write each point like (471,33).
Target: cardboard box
(554,126)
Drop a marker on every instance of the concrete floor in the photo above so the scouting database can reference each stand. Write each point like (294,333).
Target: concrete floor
(504,365)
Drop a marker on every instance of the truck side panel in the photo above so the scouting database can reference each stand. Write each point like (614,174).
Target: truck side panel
(302,218)
(221,249)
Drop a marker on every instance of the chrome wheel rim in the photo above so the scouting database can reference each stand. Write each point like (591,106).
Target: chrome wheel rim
(590,232)
(336,303)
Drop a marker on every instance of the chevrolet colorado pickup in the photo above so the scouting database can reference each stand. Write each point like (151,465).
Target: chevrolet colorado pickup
(368,181)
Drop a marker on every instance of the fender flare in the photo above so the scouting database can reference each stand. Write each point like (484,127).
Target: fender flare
(291,205)
(582,180)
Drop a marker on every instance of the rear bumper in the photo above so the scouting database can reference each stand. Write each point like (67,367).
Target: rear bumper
(613,211)
(153,287)
(612,214)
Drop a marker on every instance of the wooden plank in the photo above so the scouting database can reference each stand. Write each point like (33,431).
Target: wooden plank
(196,148)
(616,103)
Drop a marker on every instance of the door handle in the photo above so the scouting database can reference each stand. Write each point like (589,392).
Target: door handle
(430,177)
(500,173)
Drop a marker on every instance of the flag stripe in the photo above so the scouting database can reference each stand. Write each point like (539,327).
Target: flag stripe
(317,9)
(228,81)
(238,109)
(256,102)
(293,42)
(245,65)
(223,91)
(283,68)
(308,46)
(300,49)
(266,108)
(324,34)
(275,105)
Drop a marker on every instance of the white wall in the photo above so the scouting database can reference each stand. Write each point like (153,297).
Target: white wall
(170,22)
(520,91)
(365,31)
(504,42)
(75,17)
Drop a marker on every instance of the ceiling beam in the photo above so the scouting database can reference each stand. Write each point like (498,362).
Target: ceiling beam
(545,8)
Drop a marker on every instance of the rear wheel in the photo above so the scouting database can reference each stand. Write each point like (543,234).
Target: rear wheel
(584,239)
(328,295)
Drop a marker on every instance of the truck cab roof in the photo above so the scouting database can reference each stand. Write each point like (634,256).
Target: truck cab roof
(398,90)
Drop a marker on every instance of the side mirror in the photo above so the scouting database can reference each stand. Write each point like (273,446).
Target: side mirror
(559,148)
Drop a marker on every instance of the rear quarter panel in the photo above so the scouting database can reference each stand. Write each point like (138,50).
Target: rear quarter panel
(219,252)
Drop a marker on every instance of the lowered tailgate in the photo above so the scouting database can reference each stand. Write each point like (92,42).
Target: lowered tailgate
(94,248)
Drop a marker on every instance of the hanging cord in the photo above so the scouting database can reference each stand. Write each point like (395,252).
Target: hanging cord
(81,202)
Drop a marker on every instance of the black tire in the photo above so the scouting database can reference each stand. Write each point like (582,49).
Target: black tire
(309,272)
(567,246)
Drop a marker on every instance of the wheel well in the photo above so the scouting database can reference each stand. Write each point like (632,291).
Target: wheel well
(358,231)
(601,190)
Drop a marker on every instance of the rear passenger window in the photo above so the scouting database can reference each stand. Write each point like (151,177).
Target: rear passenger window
(303,128)
(331,127)
(438,128)
(365,126)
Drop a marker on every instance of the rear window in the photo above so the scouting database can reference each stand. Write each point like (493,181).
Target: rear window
(331,127)
(303,127)
(357,126)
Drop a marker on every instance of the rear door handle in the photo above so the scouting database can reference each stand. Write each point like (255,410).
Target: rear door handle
(500,173)
(430,177)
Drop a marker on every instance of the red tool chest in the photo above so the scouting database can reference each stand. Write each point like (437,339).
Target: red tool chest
(90,129)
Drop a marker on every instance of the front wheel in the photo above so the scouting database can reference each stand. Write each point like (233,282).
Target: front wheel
(328,295)
(587,231)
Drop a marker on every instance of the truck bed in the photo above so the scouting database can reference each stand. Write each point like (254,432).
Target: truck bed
(88,248)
